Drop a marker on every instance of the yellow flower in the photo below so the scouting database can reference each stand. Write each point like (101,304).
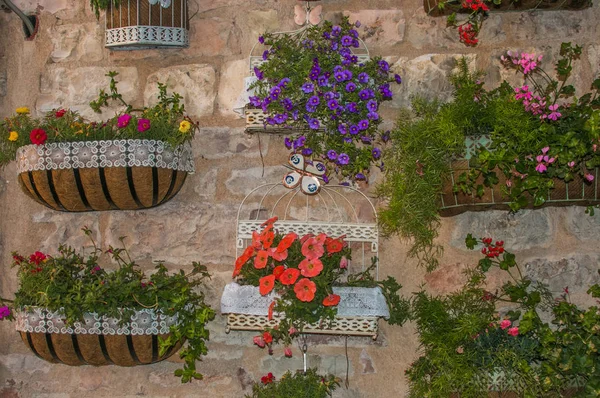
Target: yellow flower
(13,136)
(185,126)
(23,110)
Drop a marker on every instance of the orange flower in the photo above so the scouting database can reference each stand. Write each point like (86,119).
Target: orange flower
(289,276)
(286,242)
(243,259)
(277,256)
(267,237)
(267,337)
(331,300)
(260,261)
(256,242)
(306,237)
(310,267)
(277,271)
(334,245)
(266,284)
(321,238)
(305,290)
(270,221)
(271,306)
(312,248)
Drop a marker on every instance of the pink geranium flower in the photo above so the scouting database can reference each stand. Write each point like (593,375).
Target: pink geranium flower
(513,331)
(505,323)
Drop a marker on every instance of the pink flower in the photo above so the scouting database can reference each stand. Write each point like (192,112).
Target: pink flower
(540,168)
(513,331)
(545,150)
(4,312)
(258,340)
(287,352)
(292,331)
(508,183)
(505,323)
(571,164)
(343,262)
(143,125)
(123,120)
(588,177)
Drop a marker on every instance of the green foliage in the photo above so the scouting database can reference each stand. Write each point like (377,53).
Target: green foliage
(298,385)
(98,5)
(465,344)
(320,56)
(74,284)
(167,121)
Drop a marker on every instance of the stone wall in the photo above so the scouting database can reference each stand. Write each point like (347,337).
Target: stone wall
(65,65)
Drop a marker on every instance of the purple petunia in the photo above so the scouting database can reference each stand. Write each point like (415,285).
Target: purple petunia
(332,104)
(259,74)
(329,95)
(280,118)
(372,105)
(347,75)
(336,30)
(347,140)
(307,151)
(314,124)
(343,159)
(255,101)
(350,87)
(384,89)
(353,32)
(314,100)
(385,137)
(398,78)
(287,104)
(376,152)
(363,77)
(283,82)
(332,155)
(261,40)
(299,142)
(365,139)
(339,76)
(307,88)
(365,94)
(274,93)
(363,125)
(357,24)
(360,176)
(325,178)
(372,116)
(287,142)
(265,55)
(343,129)
(323,81)
(383,65)
(352,107)
(334,46)
(310,108)
(354,129)
(346,41)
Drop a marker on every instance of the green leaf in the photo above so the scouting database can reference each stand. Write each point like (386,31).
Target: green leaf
(485,264)
(470,242)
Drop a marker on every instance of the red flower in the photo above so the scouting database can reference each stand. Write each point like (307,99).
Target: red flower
(256,242)
(266,284)
(268,379)
(331,300)
(267,337)
(289,276)
(270,313)
(334,245)
(288,352)
(305,290)
(267,237)
(312,248)
(467,34)
(243,259)
(37,257)
(260,261)
(310,267)
(277,255)
(277,271)
(60,113)
(286,242)
(38,136)
(269,222)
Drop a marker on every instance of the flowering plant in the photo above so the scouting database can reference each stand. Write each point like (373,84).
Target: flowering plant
(298,385)
(314,82)
(165,121)
(74,285)
(539,135)
(303,271)
(469,349)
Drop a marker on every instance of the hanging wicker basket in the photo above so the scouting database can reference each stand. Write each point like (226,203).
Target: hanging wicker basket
(576,192)
(97,341)
(103,175)
(143,24)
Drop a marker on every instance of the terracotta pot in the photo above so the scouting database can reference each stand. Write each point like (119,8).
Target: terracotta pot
(431,6)
(103,175)
(577,192)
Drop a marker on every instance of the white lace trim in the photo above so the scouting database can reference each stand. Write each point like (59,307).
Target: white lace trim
(354,301)
(143,322)
(114,153)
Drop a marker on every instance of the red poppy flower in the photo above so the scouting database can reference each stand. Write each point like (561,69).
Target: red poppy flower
(243,259)
(38,136)
(260,261)
(267,237)
(289,276)
(277,271)
(60,113)
(331,300)
(305,290)
(267,337)
(312,248)
(310,267)
(334,245)
(266,284)
(287,241)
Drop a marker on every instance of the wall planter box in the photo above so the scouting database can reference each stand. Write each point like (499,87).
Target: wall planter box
(431,6)
(357,312)
(576,192)
(98,340)
(103,175)
(143,24)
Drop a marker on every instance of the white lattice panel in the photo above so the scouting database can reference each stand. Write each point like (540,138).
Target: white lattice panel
(353,326)
(355,232)
(135,37)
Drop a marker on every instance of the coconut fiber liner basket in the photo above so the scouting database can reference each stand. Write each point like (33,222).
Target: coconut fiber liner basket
(97,341)
(576,192)
(103,175)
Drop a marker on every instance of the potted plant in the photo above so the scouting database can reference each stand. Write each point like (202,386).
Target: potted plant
(70,310)
(303,281)
(312,86)
(539,147)
(297,385)
(477,11)
(138,159)
(474,340)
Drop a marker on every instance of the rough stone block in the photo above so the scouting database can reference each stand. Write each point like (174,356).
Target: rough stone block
(222,142)
(333,364)
(577,272)
(582,226)
(75,42)
(241,182)
(424,31)
(380,27)
(231,86)
(195,83)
